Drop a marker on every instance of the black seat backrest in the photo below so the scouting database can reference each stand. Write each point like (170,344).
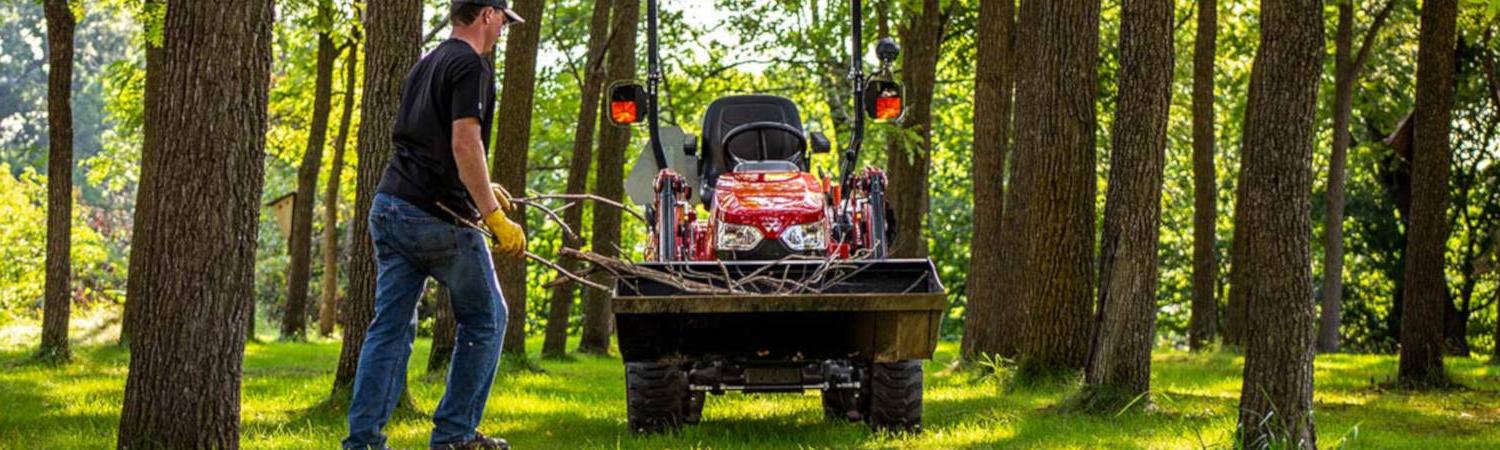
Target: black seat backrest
(727,113)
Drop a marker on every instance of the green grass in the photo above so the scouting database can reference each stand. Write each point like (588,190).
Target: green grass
(579,403)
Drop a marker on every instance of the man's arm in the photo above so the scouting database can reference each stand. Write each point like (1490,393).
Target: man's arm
(468,153)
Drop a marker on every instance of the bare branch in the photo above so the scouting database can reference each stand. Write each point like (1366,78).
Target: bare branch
(1369,38)
(565,273)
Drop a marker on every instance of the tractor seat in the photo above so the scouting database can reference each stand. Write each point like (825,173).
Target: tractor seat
(766,166)
(727,113)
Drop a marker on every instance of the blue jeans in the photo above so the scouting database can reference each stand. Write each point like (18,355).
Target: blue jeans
(410,246)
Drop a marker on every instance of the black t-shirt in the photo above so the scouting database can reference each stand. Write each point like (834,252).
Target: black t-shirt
(450,83)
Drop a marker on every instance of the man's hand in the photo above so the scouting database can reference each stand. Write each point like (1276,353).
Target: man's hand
(509,239)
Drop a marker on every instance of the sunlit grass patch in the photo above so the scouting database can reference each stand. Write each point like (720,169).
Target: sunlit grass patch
(579,402)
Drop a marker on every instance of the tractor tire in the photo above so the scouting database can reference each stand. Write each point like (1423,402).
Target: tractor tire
(693,408)
(842,405)
(656,396)
(895,402)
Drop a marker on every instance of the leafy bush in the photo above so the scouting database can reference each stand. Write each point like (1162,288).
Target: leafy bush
(23,246)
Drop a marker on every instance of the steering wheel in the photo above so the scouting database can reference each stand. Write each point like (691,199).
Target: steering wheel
(763,126)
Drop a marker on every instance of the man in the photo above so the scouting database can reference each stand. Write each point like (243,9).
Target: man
(437,184)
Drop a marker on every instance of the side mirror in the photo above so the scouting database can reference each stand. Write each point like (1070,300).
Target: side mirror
(690,145)
(627,104)
(820,143)
(883,100)
(887,50)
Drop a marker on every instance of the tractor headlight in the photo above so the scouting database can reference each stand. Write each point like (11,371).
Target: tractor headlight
(737,237)
(808,236)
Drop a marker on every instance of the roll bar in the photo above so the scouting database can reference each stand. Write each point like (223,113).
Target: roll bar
(857,77)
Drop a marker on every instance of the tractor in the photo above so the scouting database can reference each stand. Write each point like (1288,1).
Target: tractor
(785,286)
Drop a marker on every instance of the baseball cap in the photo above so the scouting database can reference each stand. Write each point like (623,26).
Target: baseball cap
(501,5)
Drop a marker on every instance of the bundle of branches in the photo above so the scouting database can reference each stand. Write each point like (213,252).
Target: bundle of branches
(790,275)
(828,273)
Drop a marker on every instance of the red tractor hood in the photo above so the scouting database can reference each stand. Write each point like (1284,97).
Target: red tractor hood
(771,201)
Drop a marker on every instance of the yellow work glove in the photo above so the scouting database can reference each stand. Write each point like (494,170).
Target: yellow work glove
(509,239)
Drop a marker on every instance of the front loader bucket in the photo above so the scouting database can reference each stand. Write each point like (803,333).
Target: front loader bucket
(881,310)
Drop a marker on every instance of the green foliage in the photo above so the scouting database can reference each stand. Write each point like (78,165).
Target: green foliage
(989,367)
(290,118)
(102,197)
(23,268)
(1232,63)
(797,49)
(23,271)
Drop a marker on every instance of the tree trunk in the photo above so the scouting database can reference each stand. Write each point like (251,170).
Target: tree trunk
(1426,289)
(145,197)
(56,308)
(508,160)
(444,333)
(1272,274)
(328,312)
(1333,215)
(1236,313)
(609,179)
(983,327)
(1455,328)
(1119,368)
(1396,175)
(197,275)
(556,341)
(1057,45)
(294,316)
(394,31)
(908,159)
(1203,322)
(1346,71)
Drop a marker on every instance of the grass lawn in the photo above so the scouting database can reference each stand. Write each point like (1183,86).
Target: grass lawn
(580,403)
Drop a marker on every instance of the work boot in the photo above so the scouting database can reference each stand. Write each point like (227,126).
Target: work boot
(478,442)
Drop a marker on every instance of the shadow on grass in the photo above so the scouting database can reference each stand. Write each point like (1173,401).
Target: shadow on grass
(72,398)
(580,403)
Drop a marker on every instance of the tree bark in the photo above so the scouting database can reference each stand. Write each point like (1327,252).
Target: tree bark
(561,307)
(299,244)
(1119,369)
(1426,288)
(250,323)
(1395,175)
(1203,322)
(57,306)
(609,179)
(444,333)
(1333,215)
(1272,274)
(1346,71)
(508,160)
(197,273)
(1057,45)
(908,159)
(328,312)
(993,83)
(394,30)
(145,196)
